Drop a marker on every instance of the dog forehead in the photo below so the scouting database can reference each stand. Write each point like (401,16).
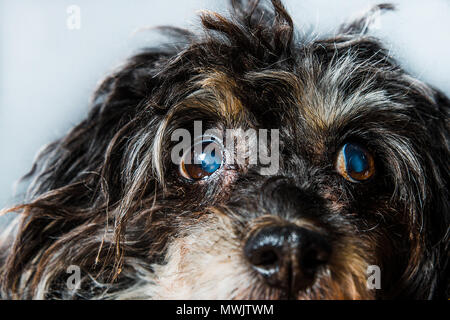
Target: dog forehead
(218,90)
(315,97)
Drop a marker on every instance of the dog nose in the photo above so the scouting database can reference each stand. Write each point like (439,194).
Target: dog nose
(288,257)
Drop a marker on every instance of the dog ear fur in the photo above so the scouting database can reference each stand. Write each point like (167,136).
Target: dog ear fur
(361,24)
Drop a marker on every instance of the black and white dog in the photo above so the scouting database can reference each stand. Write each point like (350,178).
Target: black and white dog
(362,175)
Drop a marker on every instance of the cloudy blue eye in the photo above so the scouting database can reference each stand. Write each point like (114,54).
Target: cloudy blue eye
(355,163)
(202,160)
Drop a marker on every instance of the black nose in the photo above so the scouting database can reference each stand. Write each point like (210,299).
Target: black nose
(288,257)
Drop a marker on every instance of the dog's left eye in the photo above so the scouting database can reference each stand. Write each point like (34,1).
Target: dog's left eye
(355,163)
(202,160)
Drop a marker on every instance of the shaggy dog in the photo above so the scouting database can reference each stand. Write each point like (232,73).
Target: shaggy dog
(362,179)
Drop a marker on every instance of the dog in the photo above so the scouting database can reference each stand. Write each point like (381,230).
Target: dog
(361,182)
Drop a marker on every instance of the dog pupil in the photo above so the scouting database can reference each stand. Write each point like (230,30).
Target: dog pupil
(210,163)
(355,159)
(205,163)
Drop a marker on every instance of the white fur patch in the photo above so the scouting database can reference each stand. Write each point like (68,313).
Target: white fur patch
(206,263)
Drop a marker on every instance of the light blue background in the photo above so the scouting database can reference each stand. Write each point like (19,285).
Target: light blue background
(48,72)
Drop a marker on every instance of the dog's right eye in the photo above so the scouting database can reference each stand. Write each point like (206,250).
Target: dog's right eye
(202,160)
(355,163)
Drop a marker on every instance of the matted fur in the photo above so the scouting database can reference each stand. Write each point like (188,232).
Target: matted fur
(107,198)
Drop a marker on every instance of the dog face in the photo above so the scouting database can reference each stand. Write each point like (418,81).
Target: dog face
(361,174)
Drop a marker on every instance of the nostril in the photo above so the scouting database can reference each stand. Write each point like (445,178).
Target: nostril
(313,258)
(264,252)
(265,257)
